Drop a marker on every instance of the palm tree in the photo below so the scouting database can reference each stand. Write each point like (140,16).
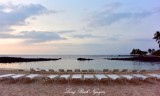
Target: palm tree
(133,52)
(150,51)
(153,50)
(157,37)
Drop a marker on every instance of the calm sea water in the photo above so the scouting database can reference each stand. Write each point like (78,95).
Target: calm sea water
(70,62)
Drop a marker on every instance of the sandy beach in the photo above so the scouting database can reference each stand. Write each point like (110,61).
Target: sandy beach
(70,89)
(36,89)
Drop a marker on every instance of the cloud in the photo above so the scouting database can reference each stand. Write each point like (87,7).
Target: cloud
(34,36)
(112,6)
(81,36)
(142,40)
(17,14)
(112,15)
(66,32)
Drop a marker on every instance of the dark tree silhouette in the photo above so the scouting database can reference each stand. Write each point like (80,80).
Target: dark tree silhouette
(133,52)
(138,52)
(153,50)
(157,37)
(150,51)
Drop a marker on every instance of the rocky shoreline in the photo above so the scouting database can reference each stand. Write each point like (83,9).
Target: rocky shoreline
(19,59)
(139,58)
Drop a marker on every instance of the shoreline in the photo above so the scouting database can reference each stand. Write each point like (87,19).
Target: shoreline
(20,59)
(147,58)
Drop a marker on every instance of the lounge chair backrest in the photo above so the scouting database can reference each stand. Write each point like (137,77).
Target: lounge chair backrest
(69,70)
(6,75)
(140,76)
(142,71)
(113,76)
(32,69)
(105,70)
(88,76)
(51,70)
(84,70)
(91,70)
(155,75)
(77,70)
(115,70)
(100,76)
(17,76)
(52,76)
(66,76)
(129,77)
(43,70)
(134,71)
(76,76)
(61,70)
(31,76)
(124,70)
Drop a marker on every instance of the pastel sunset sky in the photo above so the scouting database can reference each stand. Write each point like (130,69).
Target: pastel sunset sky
(77,27)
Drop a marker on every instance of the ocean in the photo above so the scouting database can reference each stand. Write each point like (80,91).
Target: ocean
(71,62)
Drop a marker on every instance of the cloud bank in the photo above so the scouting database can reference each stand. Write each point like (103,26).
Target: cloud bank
(111,15)
(17,14)
(34,36)
(82,36)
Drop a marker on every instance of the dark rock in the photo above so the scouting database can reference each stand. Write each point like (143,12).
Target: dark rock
(19,59)
(139,58)
(84,59)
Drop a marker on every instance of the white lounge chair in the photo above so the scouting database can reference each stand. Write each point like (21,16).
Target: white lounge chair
(102,78)
(5,76)
(50,79)
(156,76)
(131,79)
(140,76)
(116,78)
(52,76)
(64,78)
(113,76)
(143,78)
(15,78)
(76,78)
(128,77)
(30,78)
(89,78)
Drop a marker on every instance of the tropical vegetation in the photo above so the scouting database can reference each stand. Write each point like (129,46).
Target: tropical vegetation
(150,51)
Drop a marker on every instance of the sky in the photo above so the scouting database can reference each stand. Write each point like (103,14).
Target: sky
(77,27)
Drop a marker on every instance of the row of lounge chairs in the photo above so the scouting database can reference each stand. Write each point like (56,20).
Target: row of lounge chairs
(78,78)
(88,71)
(19,77)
